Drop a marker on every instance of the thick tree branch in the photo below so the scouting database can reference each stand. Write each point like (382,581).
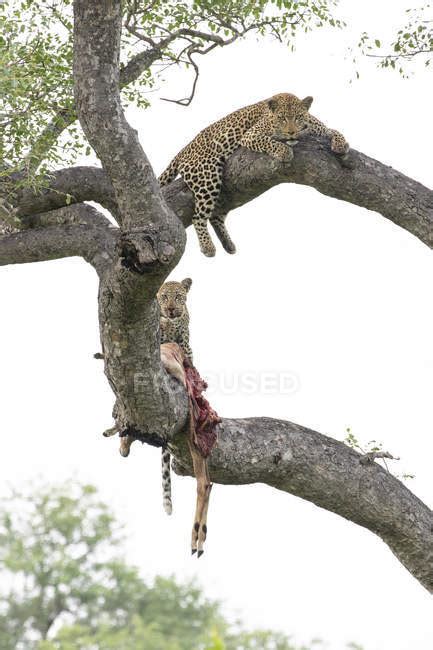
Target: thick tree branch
(78,213)
(327,472)
(360,180)
(53,243)
(78,230)
(73,184)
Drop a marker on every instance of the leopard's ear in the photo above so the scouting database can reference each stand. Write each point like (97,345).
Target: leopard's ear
(186,283)
(307,101)
(272,103)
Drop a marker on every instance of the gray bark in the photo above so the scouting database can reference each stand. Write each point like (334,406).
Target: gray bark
(74,184)
(359,179)
(327,472)
(133,261)
(76,230)
(152,238)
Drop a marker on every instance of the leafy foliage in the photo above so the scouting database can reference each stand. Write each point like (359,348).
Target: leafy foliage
(64,586)
(35,76)
(266,640)
(59,543)
(37,116)
(413,42)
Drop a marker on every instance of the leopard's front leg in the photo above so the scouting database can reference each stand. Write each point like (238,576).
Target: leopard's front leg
(339,144)
(257,140)
(184,344)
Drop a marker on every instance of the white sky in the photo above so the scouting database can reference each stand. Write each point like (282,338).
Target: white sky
(334,295)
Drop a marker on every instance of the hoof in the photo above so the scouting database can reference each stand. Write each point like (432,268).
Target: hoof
(199,554)
(193,551)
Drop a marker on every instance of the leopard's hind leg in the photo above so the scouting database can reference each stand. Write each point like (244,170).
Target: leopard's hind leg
(218,224)
(204,180)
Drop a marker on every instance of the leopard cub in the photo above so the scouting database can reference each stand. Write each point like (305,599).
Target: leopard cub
(174,323)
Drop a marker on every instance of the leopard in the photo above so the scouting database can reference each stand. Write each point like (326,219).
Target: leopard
(270,126)
(174,328)
(174,315)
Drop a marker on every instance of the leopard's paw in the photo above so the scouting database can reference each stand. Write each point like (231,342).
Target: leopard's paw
(339,145)
(285,154)
(230,248)
(208,248)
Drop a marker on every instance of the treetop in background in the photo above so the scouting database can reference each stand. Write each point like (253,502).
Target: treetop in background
(60,545)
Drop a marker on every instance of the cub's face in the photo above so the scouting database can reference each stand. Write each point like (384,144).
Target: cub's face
(172,298)
(290,116)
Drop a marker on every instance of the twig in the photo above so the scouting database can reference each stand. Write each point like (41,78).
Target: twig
(371,456)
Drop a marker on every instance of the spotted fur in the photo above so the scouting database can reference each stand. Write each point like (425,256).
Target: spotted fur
(174,328)
(271,126)
(174,321)
(166,481)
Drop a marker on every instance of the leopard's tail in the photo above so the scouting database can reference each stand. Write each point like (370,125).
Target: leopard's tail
(169,174)
(166,481)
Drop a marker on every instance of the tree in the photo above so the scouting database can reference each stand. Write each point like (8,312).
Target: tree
(61,542)
(133,259)
(61,548)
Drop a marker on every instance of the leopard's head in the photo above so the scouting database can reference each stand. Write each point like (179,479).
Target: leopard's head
(290,116)
(172,298)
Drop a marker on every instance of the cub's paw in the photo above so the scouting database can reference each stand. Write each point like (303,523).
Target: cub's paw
(339,145)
